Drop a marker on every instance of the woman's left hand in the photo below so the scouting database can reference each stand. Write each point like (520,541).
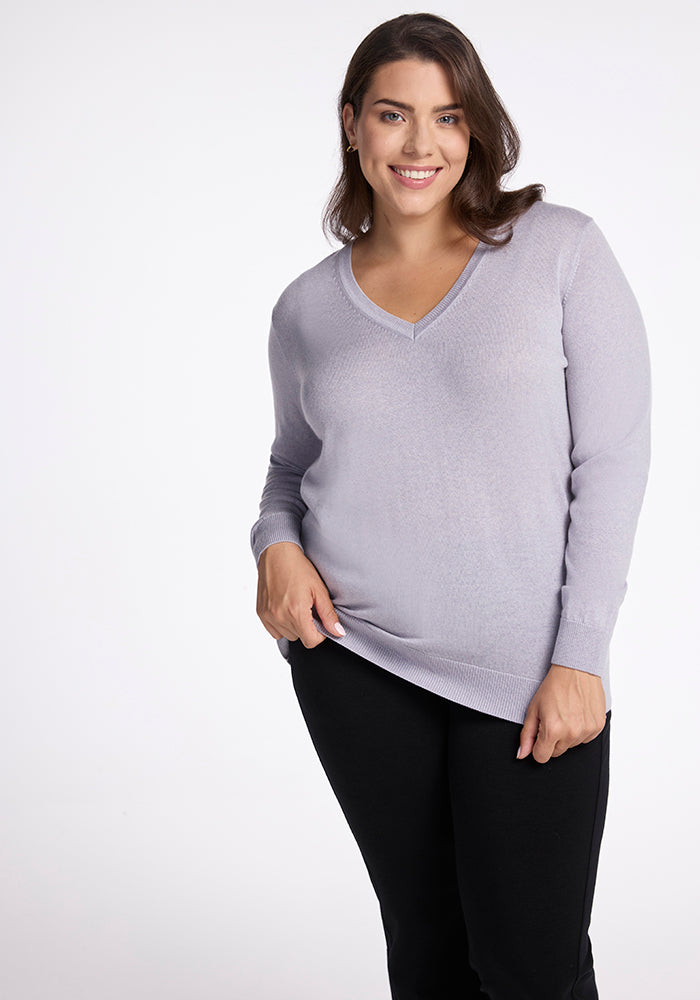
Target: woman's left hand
(568,708)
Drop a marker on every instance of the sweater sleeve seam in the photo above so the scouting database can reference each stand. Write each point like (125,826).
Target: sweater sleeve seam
(577,260)
(290,362)
(593,628)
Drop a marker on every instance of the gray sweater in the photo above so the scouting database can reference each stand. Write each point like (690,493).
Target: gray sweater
(467,486)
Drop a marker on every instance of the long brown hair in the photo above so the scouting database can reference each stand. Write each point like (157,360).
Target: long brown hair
(479,203)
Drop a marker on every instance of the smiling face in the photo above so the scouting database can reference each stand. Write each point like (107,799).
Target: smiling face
(410,121)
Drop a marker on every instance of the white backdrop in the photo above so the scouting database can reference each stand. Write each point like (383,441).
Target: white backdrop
(166,829)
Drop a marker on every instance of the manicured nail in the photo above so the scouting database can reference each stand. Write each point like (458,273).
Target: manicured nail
(518,754)
(339,628)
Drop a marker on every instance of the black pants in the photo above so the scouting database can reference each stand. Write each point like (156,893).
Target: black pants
(484,866)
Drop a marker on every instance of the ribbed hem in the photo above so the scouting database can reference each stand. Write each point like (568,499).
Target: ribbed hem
(581,647)
(278,526)
(495,692)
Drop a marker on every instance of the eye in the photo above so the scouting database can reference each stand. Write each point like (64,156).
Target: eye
(453,117)
(385,113)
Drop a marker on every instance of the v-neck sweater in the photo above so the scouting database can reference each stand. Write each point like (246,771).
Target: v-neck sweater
(468,486)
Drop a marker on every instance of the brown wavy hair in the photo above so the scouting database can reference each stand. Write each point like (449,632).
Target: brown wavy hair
(479,203)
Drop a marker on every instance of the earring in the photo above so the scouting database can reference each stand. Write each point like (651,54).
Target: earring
(349,149)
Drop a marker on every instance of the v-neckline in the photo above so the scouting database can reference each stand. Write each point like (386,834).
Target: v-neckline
(389,320)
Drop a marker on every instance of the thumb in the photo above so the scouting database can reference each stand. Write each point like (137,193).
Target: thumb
(327,613)
(528,734)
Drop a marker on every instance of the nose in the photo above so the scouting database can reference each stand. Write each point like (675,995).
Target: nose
(418,141)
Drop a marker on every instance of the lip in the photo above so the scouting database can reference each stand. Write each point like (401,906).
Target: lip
(414,166)
(408,182)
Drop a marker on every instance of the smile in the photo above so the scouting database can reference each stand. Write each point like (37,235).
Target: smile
(415,178)
(416,175)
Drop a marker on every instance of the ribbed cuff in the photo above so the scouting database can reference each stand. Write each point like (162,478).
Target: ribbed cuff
(277,526)
(581,647)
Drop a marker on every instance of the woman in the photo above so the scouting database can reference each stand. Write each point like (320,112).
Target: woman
(462,444)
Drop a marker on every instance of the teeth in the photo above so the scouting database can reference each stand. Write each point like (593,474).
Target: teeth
(416,175)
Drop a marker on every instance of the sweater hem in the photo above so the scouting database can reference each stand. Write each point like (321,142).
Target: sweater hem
(484,689)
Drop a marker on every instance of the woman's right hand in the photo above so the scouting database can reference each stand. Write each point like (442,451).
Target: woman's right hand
(289,585)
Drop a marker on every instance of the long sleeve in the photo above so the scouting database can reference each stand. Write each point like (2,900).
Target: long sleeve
(608,385)
(294,448)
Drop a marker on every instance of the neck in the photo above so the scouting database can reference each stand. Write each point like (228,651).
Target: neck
(413,238)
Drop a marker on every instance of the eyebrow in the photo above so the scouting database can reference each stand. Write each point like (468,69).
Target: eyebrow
(408,107)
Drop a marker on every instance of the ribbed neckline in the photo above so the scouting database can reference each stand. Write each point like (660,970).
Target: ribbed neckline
(389,320)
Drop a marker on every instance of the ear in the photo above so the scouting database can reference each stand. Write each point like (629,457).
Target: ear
(349,124)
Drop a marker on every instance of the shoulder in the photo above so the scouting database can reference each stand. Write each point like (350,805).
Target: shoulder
(553,237)
(560,225)
(308,288)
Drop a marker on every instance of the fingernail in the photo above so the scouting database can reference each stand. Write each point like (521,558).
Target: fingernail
(339,628)
(517,756)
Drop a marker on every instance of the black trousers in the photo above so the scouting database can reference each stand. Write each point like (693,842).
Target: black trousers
(484,866)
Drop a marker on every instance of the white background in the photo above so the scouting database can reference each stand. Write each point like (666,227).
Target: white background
(166,829)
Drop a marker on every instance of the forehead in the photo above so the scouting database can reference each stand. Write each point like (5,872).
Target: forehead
(425,81)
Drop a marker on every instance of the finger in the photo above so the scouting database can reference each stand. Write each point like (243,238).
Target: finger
(544,747)
(291,626)
(562,745)
(274,632)
(280,631)
(293,621)
(317,640)
(309,632)
(595,732)
(528,733)
(327,613)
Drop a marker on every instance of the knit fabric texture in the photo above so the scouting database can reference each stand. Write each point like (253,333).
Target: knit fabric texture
(467,486)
